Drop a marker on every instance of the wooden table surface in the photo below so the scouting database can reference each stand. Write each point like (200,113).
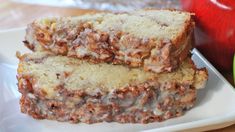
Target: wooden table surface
(14,15)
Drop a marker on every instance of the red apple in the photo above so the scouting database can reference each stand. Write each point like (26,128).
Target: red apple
(217,19)
(234,68)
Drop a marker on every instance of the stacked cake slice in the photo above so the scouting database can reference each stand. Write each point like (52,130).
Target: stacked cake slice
(130,67)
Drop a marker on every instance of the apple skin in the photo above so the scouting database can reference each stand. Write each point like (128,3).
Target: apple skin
(234,68)
(216,18)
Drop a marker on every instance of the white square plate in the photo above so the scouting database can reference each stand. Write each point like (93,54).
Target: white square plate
(215,107)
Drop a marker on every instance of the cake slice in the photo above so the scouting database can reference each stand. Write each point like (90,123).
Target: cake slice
(68,89)
(157,40)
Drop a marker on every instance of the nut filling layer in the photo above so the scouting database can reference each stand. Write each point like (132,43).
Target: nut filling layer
(98,40)
(68,89)
(145,103)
